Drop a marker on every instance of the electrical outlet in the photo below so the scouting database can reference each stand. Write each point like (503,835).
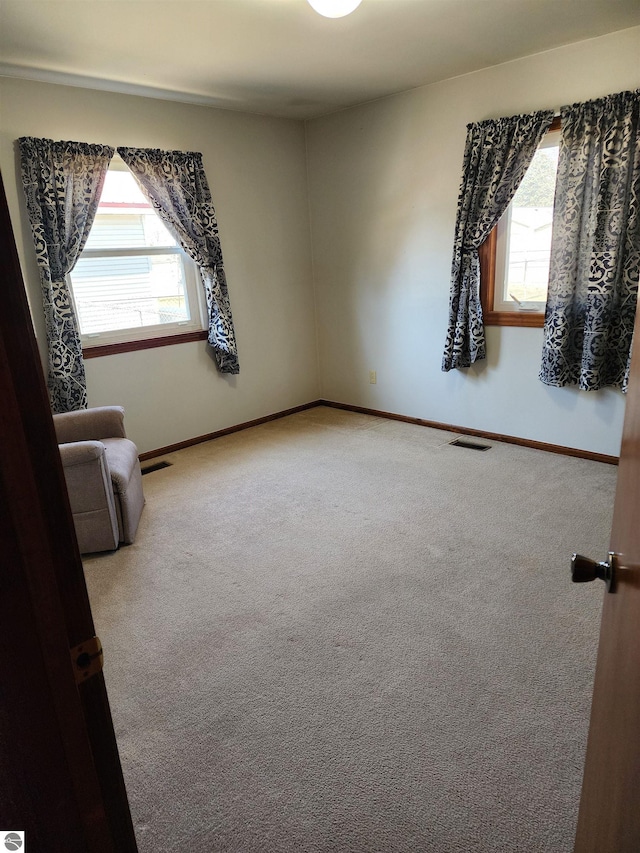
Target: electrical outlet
(372,377)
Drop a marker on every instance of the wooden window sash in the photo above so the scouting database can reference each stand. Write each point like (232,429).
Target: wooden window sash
(487,255)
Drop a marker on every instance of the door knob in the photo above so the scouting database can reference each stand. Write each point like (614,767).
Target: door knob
(584,570)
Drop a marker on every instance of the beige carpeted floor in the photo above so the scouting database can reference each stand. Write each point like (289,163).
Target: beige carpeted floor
(339,633)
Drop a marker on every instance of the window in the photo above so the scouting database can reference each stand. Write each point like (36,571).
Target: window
(514,260)
(133,283)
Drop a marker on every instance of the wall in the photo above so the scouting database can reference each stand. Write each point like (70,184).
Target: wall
(383,182)
(256,170)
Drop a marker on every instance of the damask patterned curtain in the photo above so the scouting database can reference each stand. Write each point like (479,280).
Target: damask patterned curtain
(175,184)
(497,155)
(62,183)
(595,251)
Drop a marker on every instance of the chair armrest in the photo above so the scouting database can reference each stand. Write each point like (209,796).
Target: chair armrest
(88,424)
(80,452)
(91,498)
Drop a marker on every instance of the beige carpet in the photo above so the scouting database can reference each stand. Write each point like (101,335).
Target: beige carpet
(339,633)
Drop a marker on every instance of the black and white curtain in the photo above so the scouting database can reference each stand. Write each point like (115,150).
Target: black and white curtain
(176,186)
(595,253)
(62,183)
(497,154)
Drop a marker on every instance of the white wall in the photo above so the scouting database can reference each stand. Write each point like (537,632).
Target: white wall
(383,181)
(256,170)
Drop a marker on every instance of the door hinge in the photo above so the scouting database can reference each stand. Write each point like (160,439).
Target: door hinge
(87,659)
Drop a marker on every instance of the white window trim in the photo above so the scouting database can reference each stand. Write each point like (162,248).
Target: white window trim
(194,292)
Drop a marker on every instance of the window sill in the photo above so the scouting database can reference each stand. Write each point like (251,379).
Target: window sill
(531,320)
(146,343)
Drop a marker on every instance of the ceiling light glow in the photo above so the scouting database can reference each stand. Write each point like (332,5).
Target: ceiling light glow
(334,8)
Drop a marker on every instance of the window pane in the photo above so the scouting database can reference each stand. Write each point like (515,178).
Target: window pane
(531,220)
(129,292)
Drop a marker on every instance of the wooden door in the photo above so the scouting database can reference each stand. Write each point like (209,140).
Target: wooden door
(609,816)
(60,775)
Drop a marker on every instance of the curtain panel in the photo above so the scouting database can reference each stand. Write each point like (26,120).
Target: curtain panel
(595,253)
(62,183)
(176,186)
(497,154)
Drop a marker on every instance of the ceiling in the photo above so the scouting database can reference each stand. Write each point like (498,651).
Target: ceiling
(279,57)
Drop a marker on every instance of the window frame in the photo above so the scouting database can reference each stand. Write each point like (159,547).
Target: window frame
(487,254)
(147,337)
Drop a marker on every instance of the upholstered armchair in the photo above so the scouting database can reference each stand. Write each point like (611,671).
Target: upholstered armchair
(103,477)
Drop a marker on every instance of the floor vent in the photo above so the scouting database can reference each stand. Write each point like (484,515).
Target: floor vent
(470,445)
(157,466)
